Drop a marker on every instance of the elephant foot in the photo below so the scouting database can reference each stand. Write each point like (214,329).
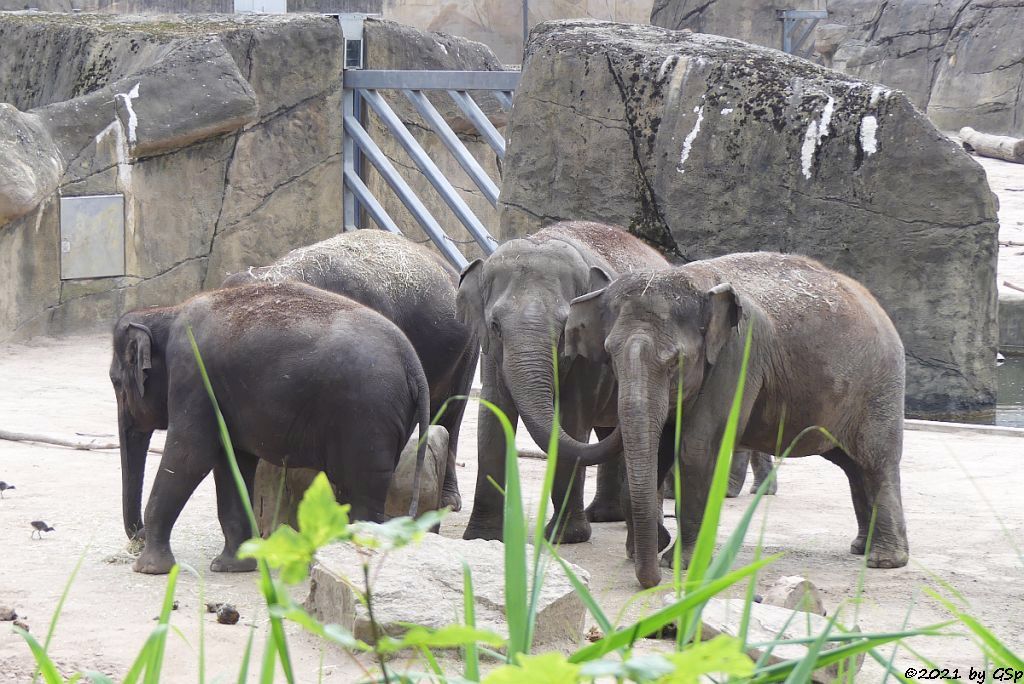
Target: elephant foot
(769,490)
(451,499)
(734,490)
(572,531)
(226,562)
(888,558)
(858,545)
(604,511)
(481,531)
(667,557)
(153,562)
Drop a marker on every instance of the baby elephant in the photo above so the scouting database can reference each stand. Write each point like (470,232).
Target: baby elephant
(823,353)
(302,376)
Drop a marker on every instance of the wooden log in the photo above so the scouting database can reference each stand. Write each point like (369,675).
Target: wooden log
(57,440)
(997,146)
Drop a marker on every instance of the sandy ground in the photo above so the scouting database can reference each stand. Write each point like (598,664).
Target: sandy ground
(962,494)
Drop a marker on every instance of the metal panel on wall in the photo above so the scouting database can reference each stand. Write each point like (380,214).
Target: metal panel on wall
(92,236)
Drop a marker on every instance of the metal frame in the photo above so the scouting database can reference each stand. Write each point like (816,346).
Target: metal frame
(790,20)
(361,89)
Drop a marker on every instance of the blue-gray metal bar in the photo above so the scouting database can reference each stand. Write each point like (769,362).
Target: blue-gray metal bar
(355,185)
(384,79)
(451,141)
(433,174)
(504,99)
(480,120)
(802,14)
(348,153)
(405,193)
(799,44)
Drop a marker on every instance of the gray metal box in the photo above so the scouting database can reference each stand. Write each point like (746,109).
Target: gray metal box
(91,236)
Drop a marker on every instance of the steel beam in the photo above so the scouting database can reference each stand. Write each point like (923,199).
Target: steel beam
(384,79)
(472,110)
(355,184)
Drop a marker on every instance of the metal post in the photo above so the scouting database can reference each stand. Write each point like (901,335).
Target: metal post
(526,24)
(348,154)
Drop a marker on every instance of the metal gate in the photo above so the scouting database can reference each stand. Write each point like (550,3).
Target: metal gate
(361,88)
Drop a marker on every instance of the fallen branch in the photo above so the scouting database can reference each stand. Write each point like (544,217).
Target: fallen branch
(1007,283)
(997,146)
(81,445)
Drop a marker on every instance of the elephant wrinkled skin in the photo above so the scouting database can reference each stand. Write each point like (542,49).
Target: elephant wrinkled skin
(301,375)
(518,301)
(823,353)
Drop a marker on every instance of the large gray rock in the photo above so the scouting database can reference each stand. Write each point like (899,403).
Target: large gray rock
(705,146)
(958,60)
(422,584)
(223,133)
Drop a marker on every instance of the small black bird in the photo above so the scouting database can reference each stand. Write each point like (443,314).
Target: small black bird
(4,487)
(39,527)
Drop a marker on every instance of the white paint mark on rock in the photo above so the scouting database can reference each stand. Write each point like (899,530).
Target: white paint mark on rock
(133,120)
(690,137)
(727,111)
(868,141)
(816,132)
(877,92)
(441,45)
(664,66)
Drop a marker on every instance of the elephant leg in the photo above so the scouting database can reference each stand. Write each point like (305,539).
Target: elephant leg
(487,519)
(696,471)
(738,472)
(569,523)
(861,502)
(188,457)
(762,466)
(877,453)
(234,521)
(606,506)
(452,421)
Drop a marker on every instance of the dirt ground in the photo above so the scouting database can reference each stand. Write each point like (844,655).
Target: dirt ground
(962,494)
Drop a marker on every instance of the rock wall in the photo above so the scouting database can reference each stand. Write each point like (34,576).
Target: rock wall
(753,21)
(958,60)
(222,133)
(705,145)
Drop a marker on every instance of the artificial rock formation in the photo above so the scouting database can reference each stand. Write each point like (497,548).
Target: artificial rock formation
(957,60)
(704,146)
(422,584)
(222,133)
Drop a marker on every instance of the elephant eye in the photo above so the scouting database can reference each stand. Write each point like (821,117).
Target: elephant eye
(496,329)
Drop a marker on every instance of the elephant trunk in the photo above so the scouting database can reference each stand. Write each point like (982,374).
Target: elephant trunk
(530,375)
(643,408)
(134,446)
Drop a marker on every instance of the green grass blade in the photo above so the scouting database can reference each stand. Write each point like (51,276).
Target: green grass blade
(243,671)
(472,670)
(583,593)
(145,655)
(677,489)
(278,640)
(60,605)
(156,655)
(269,660)
(996,649)
(44,665)
(652,623)
(802,672)
(514,535)
(706,538)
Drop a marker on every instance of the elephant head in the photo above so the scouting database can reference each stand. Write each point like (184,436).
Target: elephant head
(518,302)
(646,324)
(138,373)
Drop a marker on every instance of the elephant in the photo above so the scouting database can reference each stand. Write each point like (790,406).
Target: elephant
(823,353)
(411,286)
(760,462)
(302,376)
(517,301)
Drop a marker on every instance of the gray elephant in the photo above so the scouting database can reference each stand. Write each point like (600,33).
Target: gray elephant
(760,462)
(518,301)
(302,376)
(411,286)
(823,353)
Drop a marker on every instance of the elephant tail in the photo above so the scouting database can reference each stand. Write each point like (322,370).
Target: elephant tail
(423,411)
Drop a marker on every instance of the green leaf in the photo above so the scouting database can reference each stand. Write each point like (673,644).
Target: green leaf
(994,648)
(395,533)
(285,549)
(471,655)
(723,654)
(321,518)
(46,666)
(546,668)
(449,636)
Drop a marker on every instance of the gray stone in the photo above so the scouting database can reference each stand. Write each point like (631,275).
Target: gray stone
(222,132)
(435,462)
(422,584)
(704,146)
(769,623)
(795,593)
(756,21)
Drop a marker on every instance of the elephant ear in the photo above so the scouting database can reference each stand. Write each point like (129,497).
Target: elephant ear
(586,328)
(140,354)
(725,311)
(599,278)
(469,302)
